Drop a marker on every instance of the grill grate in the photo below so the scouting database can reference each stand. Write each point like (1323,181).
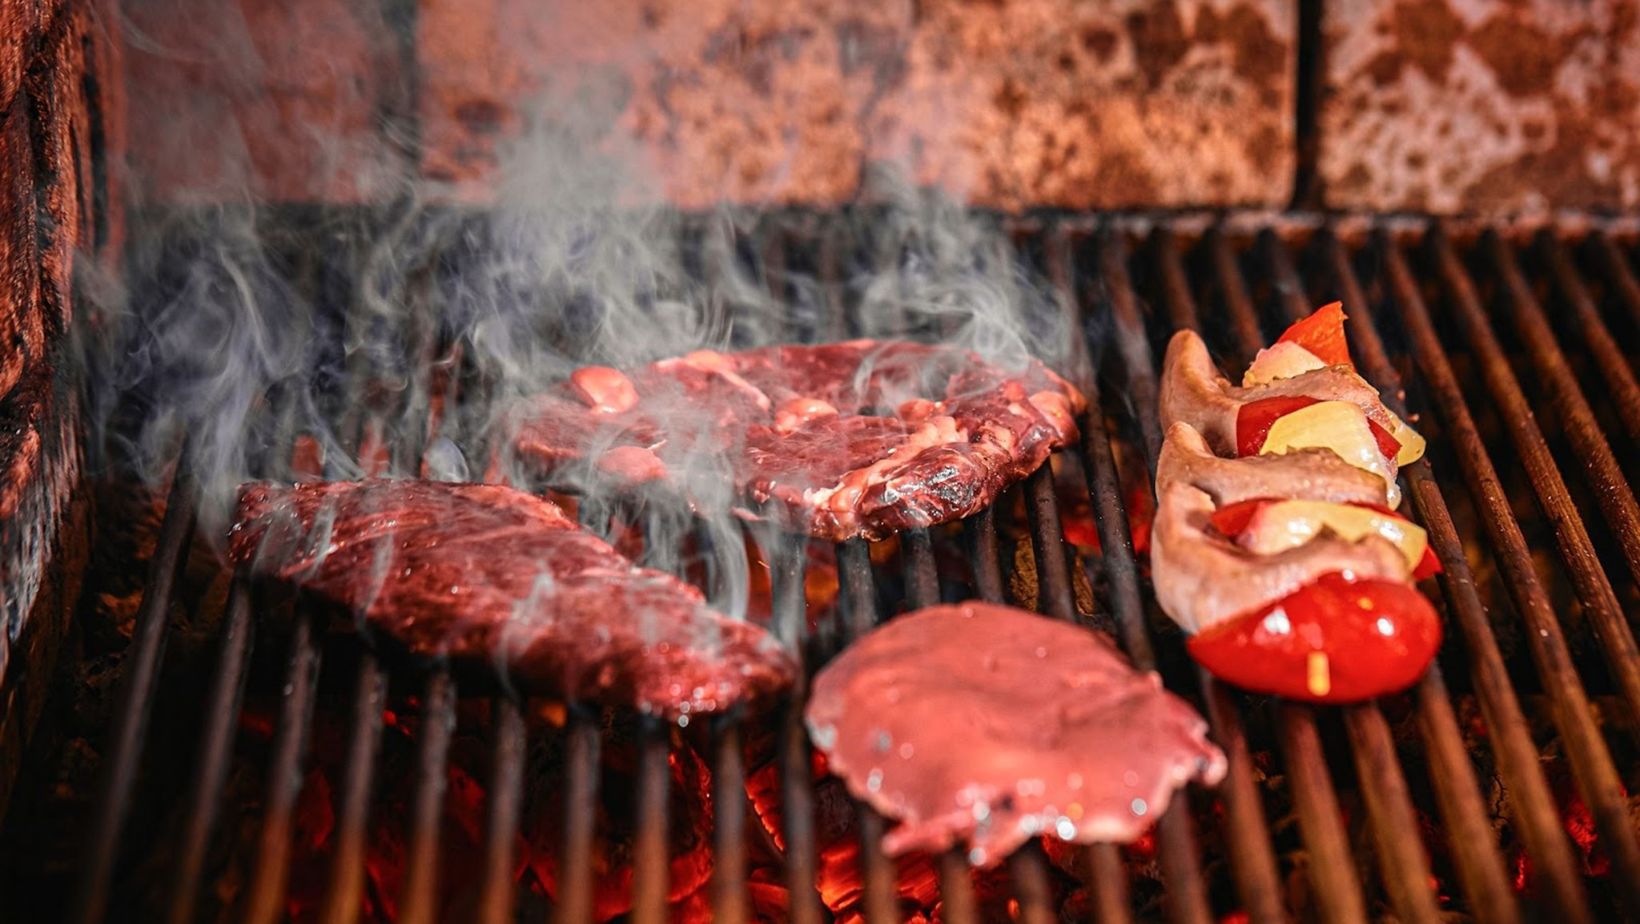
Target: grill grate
(1126,289)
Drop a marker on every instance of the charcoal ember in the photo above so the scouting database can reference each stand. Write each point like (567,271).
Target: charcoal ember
(1025,589)
(981,726)
(22,329)
(689,823)
(492,576)
(1491,107)
(842,440)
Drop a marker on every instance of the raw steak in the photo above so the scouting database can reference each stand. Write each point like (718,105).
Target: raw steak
(862,438)
(986,725)
(493,575)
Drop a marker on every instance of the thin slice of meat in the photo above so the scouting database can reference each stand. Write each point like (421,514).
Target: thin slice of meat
(986,725)
(1312,474)
(1194,392)
(844,440)
(1203,579)
(488,574)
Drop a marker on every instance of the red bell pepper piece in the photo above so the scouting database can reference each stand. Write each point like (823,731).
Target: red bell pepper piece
(1254,420)
(1322,333)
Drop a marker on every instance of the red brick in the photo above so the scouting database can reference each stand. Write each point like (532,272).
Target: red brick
(19,28)
(266,98)
(22,334)
(1481,107)
(62,131)
(1013,102)
(1098,105)
(78,131)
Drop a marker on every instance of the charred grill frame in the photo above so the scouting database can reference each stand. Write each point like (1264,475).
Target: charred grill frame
(1090,261)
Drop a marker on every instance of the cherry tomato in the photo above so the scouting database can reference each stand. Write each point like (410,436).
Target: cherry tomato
(1332,641)
(1254,420)
(1322,333)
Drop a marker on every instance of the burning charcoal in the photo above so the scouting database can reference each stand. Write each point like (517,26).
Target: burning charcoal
(491,575)
(689,826)
(983,725)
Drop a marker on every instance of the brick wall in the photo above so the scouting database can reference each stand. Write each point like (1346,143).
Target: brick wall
(1481,106)
(1484,106)
(1119,103)
(60,123)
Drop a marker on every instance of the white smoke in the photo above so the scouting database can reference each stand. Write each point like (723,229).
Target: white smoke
(240,323)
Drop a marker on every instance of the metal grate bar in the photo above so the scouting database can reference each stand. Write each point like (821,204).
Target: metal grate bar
(789,624)
(1107,884)
(922,578)
(859,595)
(1600,605)
(345,898)
(138,675)
(227,690)
(1616,267)
(1176,833)
(1056,598)
(1591,762)
(1289,289)
(1029,869)
(922,589)
(1331,868)
(980,532)
(1576,417)
(1394,824)
(505,794)
(581,798)
(1246,339)
(729,811)
(1480,864)
(1615,371)
(1130,345)
(421,872)
(265,899)
(1252,861)
(1055,595)
(1402,861)
(650,865)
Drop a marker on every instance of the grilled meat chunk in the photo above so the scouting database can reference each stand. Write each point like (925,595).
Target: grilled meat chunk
(986,725)
(491,575)
(845,440)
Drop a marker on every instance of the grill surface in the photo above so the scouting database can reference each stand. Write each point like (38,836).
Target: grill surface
(1510,350)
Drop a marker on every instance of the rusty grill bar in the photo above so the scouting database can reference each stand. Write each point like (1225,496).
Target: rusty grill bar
(1436,316)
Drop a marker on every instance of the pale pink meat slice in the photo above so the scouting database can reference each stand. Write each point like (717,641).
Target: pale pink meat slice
(1310,474)
(983,726)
